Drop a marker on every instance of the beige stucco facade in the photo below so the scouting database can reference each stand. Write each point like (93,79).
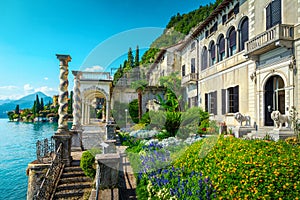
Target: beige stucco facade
(266,71)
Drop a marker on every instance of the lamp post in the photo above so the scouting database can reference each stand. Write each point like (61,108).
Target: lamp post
(126,118)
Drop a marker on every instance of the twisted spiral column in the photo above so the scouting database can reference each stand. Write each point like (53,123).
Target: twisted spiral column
(77,101)
(63,93)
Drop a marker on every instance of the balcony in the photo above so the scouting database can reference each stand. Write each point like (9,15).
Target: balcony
(192,77)
(279,35)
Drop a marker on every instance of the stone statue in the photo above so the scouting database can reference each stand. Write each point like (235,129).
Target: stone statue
(241,118)
(153,105)
(279,119)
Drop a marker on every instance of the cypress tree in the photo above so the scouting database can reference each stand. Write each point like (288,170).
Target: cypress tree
(34,108)
(137,57)
(130,59)
(17,110)
(42,104)
(37,105)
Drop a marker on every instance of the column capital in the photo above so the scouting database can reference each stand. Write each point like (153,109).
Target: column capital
(62,57)
(76,73)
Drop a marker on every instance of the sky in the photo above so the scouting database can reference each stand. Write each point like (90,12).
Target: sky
(95,33)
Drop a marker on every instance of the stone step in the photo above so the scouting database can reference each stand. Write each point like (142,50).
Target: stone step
(72,169)
(74,180)
(69,193)
(73,186)
(72,174)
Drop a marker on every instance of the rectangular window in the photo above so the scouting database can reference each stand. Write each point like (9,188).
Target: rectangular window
(193,68)
(230,100)
(183,70)
(211,102)
(192,102)
(224,19)
(213,28)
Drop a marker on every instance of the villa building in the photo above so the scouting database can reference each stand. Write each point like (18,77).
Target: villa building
(243,58)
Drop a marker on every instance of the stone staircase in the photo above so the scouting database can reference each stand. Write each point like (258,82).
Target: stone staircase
(73,183)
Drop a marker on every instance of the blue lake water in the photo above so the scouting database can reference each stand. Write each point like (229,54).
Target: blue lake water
(17,149)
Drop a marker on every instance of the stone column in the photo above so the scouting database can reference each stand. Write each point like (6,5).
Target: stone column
(76,126)
(107,110)
(63,134)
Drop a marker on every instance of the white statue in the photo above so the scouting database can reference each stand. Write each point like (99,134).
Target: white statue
(242,118)
(153,105)
(279,119)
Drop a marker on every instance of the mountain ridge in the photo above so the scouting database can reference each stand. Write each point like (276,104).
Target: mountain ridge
(24,102)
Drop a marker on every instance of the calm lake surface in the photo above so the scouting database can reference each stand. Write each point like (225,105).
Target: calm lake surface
(17,149)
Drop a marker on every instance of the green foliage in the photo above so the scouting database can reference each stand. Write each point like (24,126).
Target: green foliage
(87,164)
(149,56)
(118,74)
(134,110)
(17,110)
(173,120)
(137,57)
(145,119)
(246,169)
(10,115)
(139,84)
(172,82)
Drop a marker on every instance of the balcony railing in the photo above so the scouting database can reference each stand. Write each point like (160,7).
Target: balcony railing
(189,77)
(268,40)
(95,76)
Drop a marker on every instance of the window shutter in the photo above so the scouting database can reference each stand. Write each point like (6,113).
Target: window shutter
(222,45)
(244,33)
(236,99)
(223,101)
(206,102)
(183,70)
(276,12)
(193,70)
(204,59)
(224,18)
(213,51)
(268,17)
(232,38)
(215,102)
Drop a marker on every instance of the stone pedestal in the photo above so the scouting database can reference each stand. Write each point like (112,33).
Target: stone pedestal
(76,144)
(240,131)
(282,133)
(110,146)
(65,139)
(35,173)
(110,131)
(107,171)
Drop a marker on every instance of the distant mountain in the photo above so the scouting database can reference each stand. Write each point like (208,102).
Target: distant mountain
(4,101)
(24,102)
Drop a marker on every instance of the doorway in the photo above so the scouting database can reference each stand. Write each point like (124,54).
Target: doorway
(274,98)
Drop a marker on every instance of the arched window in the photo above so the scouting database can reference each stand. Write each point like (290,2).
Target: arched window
(204,59)
(231,42)
(212,54)
(221,49)
(273,14)
(244,33)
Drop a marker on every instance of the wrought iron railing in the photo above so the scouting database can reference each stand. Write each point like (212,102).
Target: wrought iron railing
(44,149)
(48,184)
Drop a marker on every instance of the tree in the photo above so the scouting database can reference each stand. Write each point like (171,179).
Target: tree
(34,108)
(137,57)
(42,104)
(17,110)
(134,110)
(129,59)
(37,105)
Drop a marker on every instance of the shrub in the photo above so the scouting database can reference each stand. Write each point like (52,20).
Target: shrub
(173,121)
(87,164)
(134,110)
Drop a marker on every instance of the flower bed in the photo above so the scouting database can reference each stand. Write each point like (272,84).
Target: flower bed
(247,169)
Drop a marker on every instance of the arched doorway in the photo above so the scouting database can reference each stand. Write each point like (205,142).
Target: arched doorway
(274,98)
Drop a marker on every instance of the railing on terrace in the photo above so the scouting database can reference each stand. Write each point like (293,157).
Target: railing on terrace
(44,149)
(47,187)
(189,77)
(278,32)
(96,76)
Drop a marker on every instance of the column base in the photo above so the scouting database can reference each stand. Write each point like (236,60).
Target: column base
(64,137)
(76,144)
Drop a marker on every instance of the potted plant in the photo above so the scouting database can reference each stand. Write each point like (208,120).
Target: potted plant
(223,128)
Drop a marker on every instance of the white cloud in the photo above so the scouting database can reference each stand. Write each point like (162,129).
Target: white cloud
(96,68)
(46,78)
(8,87)
(28,89)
